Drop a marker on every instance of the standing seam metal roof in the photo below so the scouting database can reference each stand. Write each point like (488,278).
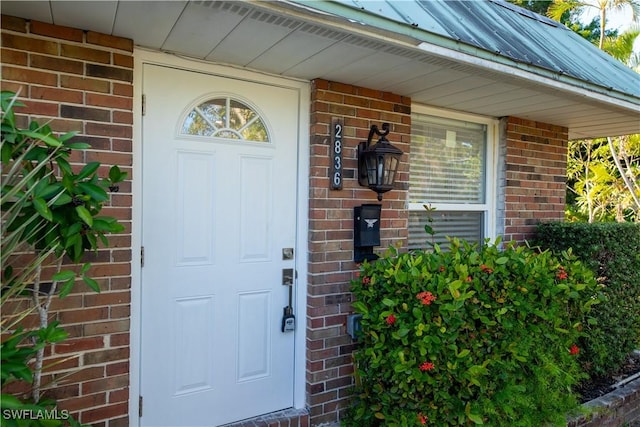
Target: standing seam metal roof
(510,31)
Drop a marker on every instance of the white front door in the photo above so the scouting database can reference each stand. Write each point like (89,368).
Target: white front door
(219,227)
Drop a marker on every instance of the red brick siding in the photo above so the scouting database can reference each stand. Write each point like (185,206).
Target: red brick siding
(331,266)
(535,188)
(82,81)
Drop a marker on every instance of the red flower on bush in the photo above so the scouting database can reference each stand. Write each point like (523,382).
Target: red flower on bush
(391,319)
(441,268)
(366,280)
(422,419)
(426,297)
(427,366)
(561,274)
(469,278)
(574,350)
(486,269)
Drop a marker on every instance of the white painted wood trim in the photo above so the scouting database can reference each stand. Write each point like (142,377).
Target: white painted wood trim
(136,241)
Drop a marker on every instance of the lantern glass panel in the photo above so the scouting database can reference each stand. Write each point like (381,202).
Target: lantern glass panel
(372,168)
(390,167)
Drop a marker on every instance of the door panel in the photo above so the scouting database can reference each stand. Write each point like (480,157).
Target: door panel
(255,208)
(194,206)
(216,214)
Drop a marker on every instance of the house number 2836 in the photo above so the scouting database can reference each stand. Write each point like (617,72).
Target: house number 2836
(336,156)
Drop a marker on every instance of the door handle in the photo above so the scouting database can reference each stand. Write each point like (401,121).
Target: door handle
(288,319)
(287,276)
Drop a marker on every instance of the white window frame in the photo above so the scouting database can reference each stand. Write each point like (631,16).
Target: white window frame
(489,207)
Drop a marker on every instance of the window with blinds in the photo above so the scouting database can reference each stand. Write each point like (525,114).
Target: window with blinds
(464,225)
(447,160)
(448,171)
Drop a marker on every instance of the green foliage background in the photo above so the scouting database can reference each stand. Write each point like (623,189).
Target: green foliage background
(612,252)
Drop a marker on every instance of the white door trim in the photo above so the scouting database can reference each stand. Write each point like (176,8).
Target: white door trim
(142,56)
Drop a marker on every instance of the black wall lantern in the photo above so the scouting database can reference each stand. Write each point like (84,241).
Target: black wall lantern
(378,163)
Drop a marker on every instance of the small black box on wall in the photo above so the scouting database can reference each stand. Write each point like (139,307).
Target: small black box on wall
(366,231)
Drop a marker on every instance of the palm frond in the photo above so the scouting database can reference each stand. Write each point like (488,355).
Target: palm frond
(621,47)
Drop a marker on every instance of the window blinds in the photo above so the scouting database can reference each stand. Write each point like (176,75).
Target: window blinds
(447,162)
(464,225)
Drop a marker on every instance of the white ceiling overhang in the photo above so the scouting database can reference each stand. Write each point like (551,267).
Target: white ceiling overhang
(301,41)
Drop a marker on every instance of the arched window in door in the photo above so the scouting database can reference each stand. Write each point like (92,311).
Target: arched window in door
(226,117)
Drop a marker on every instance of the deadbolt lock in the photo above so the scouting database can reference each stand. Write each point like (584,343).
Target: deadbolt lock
(287,253)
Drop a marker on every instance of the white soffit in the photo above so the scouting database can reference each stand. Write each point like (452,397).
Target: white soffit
(291,40)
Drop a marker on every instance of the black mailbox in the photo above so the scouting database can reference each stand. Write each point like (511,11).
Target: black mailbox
(366,231)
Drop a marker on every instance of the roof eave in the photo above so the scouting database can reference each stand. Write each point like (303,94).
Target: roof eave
(414,37)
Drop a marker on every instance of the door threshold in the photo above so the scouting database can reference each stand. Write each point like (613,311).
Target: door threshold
(288,417)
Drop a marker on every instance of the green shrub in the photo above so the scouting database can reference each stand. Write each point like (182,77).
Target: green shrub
(51,215)
(612,251)
(471,335)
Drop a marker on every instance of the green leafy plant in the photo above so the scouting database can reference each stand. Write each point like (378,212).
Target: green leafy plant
(612,252)
(428,227)
(49,213)
(597,190)
(474,335)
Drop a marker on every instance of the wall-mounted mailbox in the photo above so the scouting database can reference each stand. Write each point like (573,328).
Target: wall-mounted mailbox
(366,232)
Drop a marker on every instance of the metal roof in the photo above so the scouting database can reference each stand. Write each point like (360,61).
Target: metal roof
(507,31)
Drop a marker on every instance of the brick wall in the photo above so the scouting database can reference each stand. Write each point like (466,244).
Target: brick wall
(535,187)
(82,81)
(618,408)
(331,266)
